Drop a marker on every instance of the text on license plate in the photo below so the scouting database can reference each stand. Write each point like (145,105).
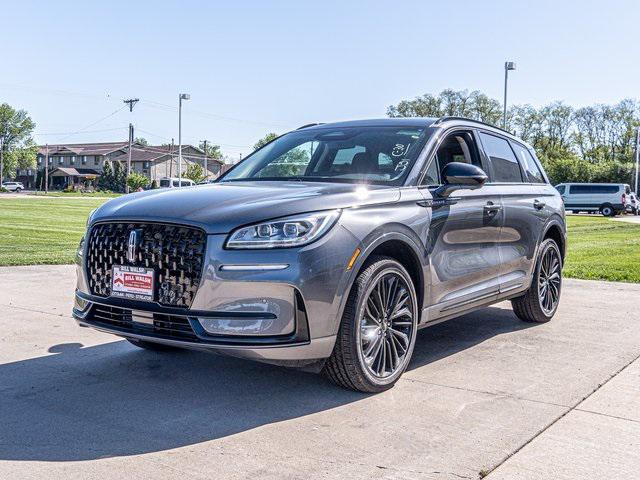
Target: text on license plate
(135,283)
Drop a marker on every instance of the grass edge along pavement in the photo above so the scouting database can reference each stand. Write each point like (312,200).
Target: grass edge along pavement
(47,230)
(42,231)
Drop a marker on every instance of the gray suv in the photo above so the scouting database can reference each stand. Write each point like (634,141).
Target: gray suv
(329,247)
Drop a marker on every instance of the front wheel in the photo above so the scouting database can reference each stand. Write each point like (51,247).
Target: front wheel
(540,302)
(378,329)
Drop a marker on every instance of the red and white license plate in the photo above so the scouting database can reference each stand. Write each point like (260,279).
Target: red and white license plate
(135,283)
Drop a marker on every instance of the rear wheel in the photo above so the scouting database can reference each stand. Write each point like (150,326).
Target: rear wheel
(378,329)
(540,302)
(607,210)
(155,347)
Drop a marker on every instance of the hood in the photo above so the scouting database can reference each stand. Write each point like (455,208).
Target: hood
(222,207)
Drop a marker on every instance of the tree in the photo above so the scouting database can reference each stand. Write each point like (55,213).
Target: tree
(19,158)
(119,177)
(16,128)
(136,181)
(212,151)
(141,141)
(590,144)
(195,172)
(459,103)
(106,179)
(264,140)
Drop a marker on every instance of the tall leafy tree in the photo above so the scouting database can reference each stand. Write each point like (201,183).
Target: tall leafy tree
(264,140)
(212,151)
(458,103)
(592,143)
(16,128)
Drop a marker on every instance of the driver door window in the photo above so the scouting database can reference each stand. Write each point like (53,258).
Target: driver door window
(456,147)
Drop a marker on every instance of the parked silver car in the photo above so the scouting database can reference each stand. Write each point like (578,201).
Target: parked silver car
(330,247)
(13,186)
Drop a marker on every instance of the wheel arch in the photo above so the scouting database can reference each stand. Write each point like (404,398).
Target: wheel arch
(556,231)
(400,246)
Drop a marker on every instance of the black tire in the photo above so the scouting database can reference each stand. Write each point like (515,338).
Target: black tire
(18,190)
(575,212)
(528,307)
(152,346)
(346,366)
(607,210)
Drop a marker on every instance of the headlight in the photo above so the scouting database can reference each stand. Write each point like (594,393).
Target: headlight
(284,232)
(80,250)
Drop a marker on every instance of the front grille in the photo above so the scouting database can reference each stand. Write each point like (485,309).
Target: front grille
(175,252)
(167,326)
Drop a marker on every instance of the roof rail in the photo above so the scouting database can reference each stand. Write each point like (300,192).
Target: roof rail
(308,125)
(453,117)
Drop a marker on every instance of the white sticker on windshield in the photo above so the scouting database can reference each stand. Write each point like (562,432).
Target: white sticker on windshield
(400,149)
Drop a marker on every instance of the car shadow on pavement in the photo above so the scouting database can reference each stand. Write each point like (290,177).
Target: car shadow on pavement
(116,400)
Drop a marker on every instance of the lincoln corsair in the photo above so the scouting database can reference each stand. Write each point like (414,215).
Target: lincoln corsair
(328,248)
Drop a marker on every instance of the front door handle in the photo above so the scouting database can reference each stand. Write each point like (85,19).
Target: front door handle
(492,208)
(538,205)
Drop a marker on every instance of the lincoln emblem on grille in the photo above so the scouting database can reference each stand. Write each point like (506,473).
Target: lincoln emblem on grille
(132,246)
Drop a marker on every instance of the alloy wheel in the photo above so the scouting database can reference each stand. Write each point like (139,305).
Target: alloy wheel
(549,281)
(387,326)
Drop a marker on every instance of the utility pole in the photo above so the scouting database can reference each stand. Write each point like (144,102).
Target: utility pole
(206,170)
(46,169)
(126,186)
(181,96)
(171,160)
(637,158)
(131,102)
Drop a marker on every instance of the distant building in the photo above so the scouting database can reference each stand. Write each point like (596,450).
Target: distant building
(83,163)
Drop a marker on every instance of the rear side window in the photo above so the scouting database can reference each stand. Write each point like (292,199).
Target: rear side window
(164,183)
(504,162)
(593,189)
(531,169)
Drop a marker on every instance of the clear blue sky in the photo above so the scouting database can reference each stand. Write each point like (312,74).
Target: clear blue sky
(258,66)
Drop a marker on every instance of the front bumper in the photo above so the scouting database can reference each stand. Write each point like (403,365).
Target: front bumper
(287,315)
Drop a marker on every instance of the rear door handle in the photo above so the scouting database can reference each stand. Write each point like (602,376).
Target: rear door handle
(538,205)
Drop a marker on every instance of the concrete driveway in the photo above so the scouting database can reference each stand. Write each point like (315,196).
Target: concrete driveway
(485,393)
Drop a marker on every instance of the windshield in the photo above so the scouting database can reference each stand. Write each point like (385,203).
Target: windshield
(382,155)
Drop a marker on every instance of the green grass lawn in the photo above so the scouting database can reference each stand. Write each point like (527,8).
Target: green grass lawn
(47,231)
(42,231)
(602,249)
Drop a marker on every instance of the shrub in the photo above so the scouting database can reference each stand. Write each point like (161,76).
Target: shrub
(136,181)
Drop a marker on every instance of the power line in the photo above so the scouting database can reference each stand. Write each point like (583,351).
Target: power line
(164,106)
(75,133)
(93,123)
(213,142)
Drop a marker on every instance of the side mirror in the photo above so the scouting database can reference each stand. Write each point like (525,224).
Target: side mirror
(460,176)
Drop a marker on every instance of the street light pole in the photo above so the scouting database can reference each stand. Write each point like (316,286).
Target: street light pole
(637,158)
(1,161)
(182,96)
(507,66)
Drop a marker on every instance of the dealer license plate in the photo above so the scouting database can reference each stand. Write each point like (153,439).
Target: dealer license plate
(135,283)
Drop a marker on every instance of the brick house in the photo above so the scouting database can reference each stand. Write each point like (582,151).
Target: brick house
(82,163)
